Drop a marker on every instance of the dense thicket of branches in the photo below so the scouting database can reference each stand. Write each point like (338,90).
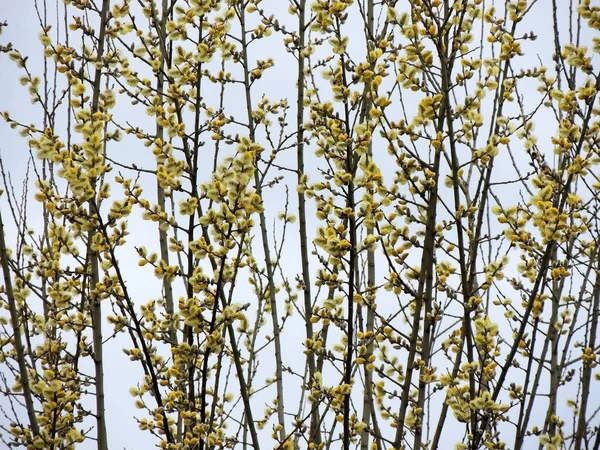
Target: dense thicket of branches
(326,224)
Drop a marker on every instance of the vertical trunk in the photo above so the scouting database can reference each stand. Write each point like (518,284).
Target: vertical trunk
(98,355)
(555,370)
(95,306)
(162,234)
(351,282)
(424,292)
(314,433)
(370,322)
(581,433)
(192,154)
(422,301)
(350,168)
(264,238)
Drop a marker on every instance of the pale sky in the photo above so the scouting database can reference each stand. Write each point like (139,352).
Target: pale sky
(121,374)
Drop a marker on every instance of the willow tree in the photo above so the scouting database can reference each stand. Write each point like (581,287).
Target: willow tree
(317,225)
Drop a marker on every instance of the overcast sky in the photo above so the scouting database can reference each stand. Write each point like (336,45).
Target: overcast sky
(23,29)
